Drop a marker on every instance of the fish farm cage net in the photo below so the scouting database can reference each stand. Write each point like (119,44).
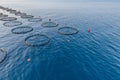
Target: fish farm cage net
(67,31)
(3,15)
(12,23)
(13,11)
(49,24)
(20,14)
(37,40)
(3,8)
(7,9)
(8,19)
(35,19)
(27,16)
(3,55)
(22,30)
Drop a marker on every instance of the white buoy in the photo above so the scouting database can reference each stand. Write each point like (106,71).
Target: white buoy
(28,59)
(68,40)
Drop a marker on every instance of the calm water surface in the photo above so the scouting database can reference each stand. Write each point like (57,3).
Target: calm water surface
(87,56)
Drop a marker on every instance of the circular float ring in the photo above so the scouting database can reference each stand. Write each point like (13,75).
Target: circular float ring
(13,11)
(43,40)
(26,16)
(35,19)
(20,14)
(49,24)
(8,10)
(69,31)
(3,15)
(12,23)
(8,19)
(22,30)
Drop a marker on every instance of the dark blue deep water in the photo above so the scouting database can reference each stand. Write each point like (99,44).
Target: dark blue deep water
(83,56)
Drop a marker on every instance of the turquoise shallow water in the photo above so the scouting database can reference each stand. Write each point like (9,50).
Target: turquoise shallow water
(86,56)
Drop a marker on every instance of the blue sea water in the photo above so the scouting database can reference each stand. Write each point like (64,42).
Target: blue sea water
(86,56)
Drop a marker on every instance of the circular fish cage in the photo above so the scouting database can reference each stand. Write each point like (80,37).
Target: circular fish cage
(12,23)
(35,19)
(7,9)
(49,24)
(19,14)
(3,15)
(8,19)
(3,8)
(68,31)
(26,16)
(22,30)
(12,11)
(37,40)
(3,55)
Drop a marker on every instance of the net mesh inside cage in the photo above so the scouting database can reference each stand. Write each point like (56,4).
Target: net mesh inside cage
(8,19)
(35,19)
(12,23)
(67,31)
(49,24)
(27,16)
(3,55)
(22,30)
(37,40)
